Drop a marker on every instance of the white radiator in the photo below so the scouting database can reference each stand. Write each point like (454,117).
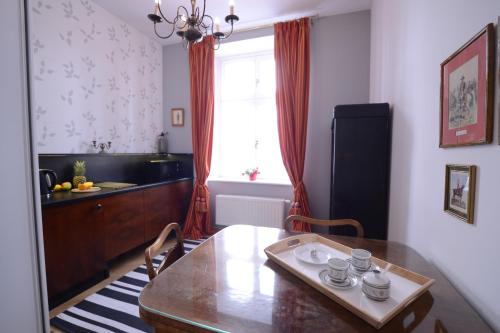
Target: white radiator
(257,211)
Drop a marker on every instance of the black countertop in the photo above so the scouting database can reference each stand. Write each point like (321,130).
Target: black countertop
(63,198)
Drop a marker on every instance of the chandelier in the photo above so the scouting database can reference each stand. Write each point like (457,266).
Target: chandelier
(193,27)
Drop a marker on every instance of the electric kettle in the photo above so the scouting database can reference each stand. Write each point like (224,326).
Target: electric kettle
(48,179)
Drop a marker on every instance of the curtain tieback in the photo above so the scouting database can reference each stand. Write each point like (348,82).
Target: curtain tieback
(298,191)
(201,205)
(199,183)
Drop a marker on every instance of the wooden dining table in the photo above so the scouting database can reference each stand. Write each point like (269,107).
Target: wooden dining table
(227,284)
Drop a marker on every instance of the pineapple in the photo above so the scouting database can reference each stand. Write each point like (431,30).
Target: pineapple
(79,169)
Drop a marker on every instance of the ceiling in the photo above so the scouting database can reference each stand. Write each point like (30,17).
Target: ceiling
(252,13)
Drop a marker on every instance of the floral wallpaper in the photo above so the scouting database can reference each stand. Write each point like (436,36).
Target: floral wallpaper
(93,77)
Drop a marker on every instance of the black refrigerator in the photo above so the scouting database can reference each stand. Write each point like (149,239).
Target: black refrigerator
(360,167)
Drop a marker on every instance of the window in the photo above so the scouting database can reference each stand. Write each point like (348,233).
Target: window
(245,127)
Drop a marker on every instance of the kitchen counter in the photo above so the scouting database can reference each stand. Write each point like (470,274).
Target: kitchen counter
(62,198)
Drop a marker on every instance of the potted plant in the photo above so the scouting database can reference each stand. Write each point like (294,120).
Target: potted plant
(252,173)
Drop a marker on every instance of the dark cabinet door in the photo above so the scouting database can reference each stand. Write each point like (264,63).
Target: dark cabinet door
(80,238)
(360,168)
(74,244)
(166,204)
(124,215)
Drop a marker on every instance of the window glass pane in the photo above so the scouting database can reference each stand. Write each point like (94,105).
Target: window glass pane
(266,86)
(238,79)
(268,151)
(245,128)
(236,138)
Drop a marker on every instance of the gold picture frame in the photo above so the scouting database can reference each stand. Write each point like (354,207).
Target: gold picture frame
(177,117)
(460,191)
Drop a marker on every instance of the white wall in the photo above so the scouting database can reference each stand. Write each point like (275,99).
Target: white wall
(409,41)
(20,309)
(94,78)
(176,95)
(340,74)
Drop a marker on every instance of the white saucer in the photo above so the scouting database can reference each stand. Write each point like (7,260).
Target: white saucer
(359,272)
(349,283)
(303,253)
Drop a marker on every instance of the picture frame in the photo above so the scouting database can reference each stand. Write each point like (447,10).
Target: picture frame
(497,74)
(177,117)
(460,191)
(467,92)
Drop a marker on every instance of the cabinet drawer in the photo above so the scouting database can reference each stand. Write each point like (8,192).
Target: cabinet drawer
(124,215)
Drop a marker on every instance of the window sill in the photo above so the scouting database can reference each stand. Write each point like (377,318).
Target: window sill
(279,182)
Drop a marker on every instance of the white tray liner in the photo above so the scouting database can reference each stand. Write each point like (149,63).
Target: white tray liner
(401,287)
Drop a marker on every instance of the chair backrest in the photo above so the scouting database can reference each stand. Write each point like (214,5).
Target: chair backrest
(172,254)
(327,223)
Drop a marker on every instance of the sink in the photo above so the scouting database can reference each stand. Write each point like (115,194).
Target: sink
(114,185)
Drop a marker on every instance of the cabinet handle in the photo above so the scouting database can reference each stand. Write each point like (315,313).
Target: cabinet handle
(98,206)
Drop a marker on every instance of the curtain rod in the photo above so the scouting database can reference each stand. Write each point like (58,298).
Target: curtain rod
(270,25)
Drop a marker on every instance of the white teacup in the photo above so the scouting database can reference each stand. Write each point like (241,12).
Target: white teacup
(337,269)
(361,259)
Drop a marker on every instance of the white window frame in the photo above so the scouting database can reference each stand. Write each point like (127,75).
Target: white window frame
(218,97)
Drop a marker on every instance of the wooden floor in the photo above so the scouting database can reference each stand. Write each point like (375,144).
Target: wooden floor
(118,268)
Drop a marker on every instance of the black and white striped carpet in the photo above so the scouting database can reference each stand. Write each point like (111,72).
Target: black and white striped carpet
(114,308)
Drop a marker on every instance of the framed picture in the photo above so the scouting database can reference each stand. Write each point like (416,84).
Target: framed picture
(459,192)
(497,74)
(467,89)
(177,117)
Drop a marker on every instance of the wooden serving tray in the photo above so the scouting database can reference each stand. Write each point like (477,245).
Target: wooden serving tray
(406,286)
(90,190)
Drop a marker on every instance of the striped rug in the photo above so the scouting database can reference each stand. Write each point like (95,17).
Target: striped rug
(114,308)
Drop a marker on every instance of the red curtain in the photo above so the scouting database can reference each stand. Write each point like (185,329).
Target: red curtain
(291,53)
(201,66)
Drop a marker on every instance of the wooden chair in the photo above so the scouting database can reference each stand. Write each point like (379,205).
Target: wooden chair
(172,254)
(327,223)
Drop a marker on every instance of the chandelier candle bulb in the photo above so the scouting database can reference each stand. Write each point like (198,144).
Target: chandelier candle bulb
(157,7)
(192,27)
(217,24)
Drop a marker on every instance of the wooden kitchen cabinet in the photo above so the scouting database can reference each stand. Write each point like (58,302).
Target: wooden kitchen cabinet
(74,245)
(165,204)
(124,220)
(81,237)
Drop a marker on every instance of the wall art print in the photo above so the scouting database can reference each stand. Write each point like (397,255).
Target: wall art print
(177,117)
(94,77)
(467,83)
(460,190)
